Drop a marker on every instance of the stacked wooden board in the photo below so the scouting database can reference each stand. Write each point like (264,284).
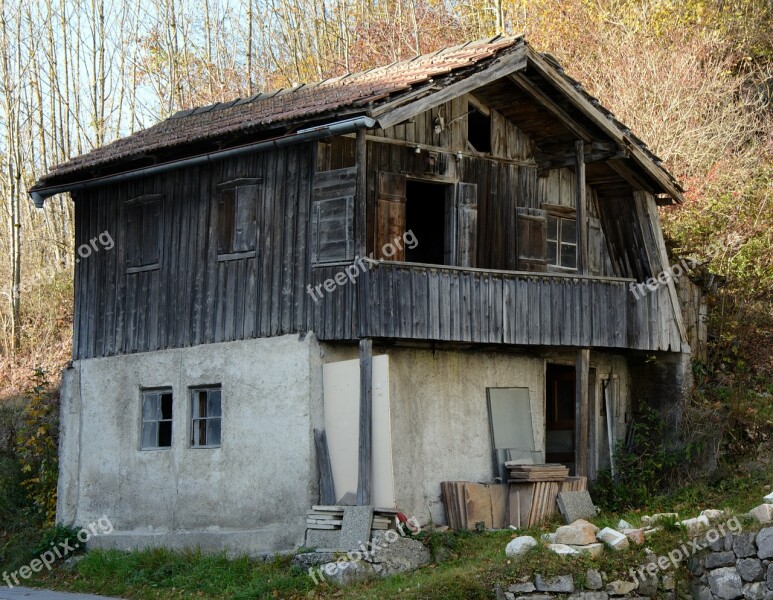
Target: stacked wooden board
(470,505)
(331,517)
(528,498)
(519,473)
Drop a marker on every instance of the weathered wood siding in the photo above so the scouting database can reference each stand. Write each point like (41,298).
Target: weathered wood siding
(194,298)
(447,304)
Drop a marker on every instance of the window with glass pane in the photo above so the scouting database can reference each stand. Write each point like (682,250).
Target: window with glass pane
(562,242)
(156,419)
(206,415)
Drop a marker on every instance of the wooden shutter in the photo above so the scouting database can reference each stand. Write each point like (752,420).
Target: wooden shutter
(143,231)
(532,239)
(390,214)
(599,262)
(467,224)
(332,216)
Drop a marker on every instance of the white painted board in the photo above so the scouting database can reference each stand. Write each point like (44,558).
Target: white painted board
(341,389)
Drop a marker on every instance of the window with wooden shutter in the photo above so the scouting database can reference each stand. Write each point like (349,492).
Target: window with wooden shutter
(332,216)
(561,237)
(237,218)
(390,216)
(531,240)
(144,225)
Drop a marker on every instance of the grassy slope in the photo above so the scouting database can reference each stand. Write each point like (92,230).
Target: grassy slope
(467,565)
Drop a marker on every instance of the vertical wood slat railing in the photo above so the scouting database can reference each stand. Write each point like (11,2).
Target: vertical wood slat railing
(425,302)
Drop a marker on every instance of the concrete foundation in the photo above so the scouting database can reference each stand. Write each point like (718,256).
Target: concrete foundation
(250,495)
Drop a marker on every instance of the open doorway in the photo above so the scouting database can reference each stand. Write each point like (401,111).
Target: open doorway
(426,218)
(560,415)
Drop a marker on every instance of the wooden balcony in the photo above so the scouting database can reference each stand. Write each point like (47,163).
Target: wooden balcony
(426,302)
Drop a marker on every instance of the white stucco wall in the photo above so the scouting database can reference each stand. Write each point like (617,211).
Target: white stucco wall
(439,414)
(250,495)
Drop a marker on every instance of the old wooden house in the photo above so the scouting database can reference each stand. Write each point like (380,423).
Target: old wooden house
(417,259)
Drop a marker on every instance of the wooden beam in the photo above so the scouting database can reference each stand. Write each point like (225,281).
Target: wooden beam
(361,194)
(365,463)
(582,210)
(327,494)
(584,105)
(544,100)
(582,413)
(393,113)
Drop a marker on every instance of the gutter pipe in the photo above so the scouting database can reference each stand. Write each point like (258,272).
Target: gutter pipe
(39,195)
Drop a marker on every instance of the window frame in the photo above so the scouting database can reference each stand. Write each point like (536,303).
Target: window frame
(561,214)
(145,394)
(194,417)
(233,186)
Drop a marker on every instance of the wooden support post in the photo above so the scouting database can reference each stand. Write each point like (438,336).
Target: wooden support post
(581,413)
(582,210)
(361,203)
(365,464)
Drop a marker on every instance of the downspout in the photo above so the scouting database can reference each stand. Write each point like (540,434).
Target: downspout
(304,135)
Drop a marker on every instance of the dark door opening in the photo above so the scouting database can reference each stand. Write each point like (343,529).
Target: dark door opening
(425,216)
(560,415)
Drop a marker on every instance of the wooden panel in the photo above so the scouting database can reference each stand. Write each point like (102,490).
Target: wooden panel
(532,239)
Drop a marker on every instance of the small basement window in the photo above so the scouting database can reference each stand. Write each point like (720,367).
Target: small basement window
(237,218)
(206,415)
(479,131)
(562,242)
(156,419)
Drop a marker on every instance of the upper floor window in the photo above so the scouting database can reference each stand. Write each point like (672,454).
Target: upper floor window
(561,241)
(144,225)
(156,419)
(237,218)
(206,416)
(479,130)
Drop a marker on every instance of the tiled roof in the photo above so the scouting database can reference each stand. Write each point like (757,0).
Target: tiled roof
(352,93)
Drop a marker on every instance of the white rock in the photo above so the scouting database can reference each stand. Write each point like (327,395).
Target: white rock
(696,525)
(563,549)
(769,498)
(579,533)
(712,514)
(520,545)
(614,538)
(762,513)
(592,550)
(548,538)
(621,588)
(622,524)
(657,518)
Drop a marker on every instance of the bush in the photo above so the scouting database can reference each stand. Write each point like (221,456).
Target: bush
(37,447)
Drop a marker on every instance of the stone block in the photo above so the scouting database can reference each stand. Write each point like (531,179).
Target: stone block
(589,596)
(652,521)
(355,526)
(593,580)
(765,541)
(754,591)
(522,588)
(725,583)
(762,513)
(720,559)
(576,505)
(696,525)
(592,550)
(635,535)
(613,538)
(648,586)
(620,587)
(520,545)
(563,550)
(750,569)
(579,533)
(743,544)
(559,583)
